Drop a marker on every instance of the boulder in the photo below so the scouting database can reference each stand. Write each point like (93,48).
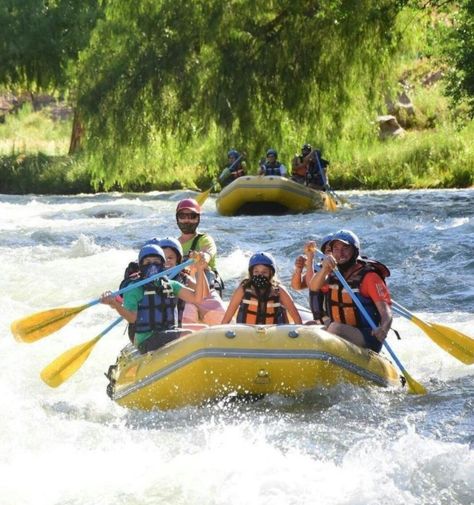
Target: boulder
(389,127)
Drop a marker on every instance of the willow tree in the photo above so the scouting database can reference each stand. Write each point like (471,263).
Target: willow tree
(460,56)
(156,68)
(40,41)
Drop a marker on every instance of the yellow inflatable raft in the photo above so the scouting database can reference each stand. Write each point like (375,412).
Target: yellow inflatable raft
(242,360)
(257,195)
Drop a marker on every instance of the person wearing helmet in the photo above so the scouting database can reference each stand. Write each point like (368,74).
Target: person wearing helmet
(211,309)
(366,278)
(299,164)
(301,279)
(271,166)
(235,168)
(152,309)
(260,298)
(316,170)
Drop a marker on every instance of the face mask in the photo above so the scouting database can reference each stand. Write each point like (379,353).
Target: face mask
(152,269)
(188,227)
(260,281)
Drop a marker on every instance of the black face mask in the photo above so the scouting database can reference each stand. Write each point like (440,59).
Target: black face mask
(151,269)
(260,281)
(188,227)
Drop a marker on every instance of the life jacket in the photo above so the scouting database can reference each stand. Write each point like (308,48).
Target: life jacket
(272,168)
(314,176)
(299,168)
(213,278)
(339,304)
(261,310)
(158,310)
(237,171)
(316,304)
(183,278)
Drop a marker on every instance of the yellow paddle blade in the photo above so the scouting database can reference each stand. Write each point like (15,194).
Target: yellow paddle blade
(452,341)
(66,365)
(202,197)
(329,203)
(414,387)
(39,325)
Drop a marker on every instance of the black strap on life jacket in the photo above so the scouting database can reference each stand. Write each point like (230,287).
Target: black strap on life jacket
(214,279)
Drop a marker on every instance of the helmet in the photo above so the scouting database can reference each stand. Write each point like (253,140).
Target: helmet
(325,240)
(151,250)
(306,148)
(172,243)
(233,154)
(190,204)
(272,151)
(155,241)
(262,258)
(348,237)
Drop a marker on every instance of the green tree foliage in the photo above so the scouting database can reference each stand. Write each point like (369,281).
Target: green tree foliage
(184,68)
(460,56)
(40,39)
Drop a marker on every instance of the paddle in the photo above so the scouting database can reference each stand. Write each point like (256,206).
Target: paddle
(450,340)
(36,326)
(202,197)
(331,197)
(66,365)
(414,386)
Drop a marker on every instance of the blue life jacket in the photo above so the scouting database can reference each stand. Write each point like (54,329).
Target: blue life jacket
(158,310)
(272,168)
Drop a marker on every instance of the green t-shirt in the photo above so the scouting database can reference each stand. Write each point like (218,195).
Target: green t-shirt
(204,243)
(132,298)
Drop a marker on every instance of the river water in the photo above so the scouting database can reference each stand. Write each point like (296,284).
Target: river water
(344,445)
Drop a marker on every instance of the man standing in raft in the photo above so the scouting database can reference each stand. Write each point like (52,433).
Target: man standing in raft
(211,309)
(366,278)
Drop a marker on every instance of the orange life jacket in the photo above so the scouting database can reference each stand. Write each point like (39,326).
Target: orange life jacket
(263,310)
(338,303)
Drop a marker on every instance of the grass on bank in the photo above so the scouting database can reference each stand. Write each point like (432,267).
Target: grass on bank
(434,153)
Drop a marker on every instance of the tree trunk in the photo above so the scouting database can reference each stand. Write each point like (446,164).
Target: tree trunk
(77,133)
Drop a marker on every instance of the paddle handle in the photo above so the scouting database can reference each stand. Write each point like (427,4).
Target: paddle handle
(171,272)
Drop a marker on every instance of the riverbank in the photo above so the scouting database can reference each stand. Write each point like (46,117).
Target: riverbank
(33,159)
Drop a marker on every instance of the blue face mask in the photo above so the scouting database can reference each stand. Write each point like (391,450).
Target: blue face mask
(152,269)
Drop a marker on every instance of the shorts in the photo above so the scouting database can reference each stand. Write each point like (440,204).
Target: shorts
(371,342)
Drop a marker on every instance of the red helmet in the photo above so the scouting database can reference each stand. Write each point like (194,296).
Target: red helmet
(190,204)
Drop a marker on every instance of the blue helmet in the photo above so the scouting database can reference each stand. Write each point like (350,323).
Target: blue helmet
(262,258)
(272,151)
(233,154)
(325,240)
(172,243)
(348,237)
(151,250)
(154,240)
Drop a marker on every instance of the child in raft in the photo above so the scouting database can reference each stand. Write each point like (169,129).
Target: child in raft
(260,298)
(300,279)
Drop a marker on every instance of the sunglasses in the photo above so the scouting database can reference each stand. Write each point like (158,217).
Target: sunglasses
(187,215)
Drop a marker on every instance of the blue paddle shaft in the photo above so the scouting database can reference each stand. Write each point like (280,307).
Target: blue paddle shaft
(363,311)
(171,272)
(111,325)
